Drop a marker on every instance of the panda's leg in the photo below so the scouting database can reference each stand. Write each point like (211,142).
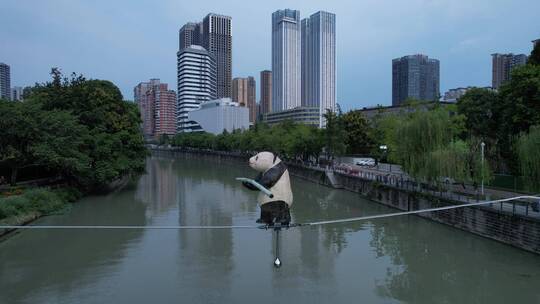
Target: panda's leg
(284,214)
(266,214)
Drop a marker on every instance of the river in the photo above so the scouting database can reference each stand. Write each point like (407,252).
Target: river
(395,260)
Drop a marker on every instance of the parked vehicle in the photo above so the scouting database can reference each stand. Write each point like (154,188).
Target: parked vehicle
(366,162)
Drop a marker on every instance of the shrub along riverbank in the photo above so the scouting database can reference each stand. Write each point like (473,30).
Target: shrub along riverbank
(20,206)
(76,131)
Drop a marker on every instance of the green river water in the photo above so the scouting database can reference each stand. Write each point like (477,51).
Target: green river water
(395,260)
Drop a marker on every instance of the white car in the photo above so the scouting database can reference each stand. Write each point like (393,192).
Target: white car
(366,162)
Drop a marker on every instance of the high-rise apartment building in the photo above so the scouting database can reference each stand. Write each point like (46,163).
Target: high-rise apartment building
(319,62)
(244,93)
(214,34)
(239,91)
(17,93)
(5,81)
(286,60)
(502,66)
(157,105)
(147,110)
(189,34)
(217,39)
(415,76)
(266,92)
(252,99)
(196,83)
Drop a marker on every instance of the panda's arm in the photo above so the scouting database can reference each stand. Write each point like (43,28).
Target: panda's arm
(249,185)
(272,175)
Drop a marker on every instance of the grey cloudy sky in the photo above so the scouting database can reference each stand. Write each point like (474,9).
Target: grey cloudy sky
(131,41)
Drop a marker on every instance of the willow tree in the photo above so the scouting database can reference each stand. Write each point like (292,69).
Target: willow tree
(458,161)
(418,136)
(427,145)
(528,149)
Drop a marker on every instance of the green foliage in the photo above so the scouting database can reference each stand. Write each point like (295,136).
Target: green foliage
(427,145)
(520,100)
(528,149)
(358,133)
(33,137)
(481,110)
(40,200)
(534,58)
(416,137)
(164,139)
(289,140)
(383,133)
(457,161)
(334,134)
(497,118)
(69,194)
(81,129)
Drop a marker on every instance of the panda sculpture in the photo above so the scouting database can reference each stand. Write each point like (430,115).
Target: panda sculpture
(274,176)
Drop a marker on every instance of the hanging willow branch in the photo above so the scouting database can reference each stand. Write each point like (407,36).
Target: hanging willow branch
(528,148)
(427,146)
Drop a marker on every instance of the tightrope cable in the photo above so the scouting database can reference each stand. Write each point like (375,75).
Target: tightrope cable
(370,217)
(295,225)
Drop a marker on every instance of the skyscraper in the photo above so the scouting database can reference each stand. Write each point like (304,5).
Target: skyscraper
(217,40)
(266,92)
(239,91)
(196,83)
(5,81)
(214,34)
(286,60)
(189,34)
(157,105)
(502,66)
(319,62)
(147,110)
(243,92)
(252,98)
(415,76)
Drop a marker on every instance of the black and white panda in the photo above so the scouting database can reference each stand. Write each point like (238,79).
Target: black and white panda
(275,177)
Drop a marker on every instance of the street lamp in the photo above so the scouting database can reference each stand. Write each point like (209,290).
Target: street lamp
(482,145)
(383,148)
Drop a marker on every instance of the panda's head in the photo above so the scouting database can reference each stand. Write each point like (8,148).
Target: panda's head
(263,161)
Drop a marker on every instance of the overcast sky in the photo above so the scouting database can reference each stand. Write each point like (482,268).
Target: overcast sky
(132,41)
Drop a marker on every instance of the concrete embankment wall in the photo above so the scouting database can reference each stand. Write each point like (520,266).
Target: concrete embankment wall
(519,231)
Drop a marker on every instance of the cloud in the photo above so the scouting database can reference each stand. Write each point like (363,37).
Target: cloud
(131,41)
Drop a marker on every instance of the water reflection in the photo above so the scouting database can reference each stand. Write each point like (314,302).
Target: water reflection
(461,268)
(401,260)
(54,262)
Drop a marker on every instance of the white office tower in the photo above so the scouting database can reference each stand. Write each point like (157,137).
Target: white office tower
(214,116)
(319,62)
(196,84)
(286,60)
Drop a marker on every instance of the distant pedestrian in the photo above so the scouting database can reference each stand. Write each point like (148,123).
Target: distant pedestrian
(2,180)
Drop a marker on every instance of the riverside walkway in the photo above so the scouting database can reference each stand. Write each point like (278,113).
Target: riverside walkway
(456,192)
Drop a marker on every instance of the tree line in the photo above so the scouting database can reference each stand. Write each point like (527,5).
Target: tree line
(432,143)
(79,130)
